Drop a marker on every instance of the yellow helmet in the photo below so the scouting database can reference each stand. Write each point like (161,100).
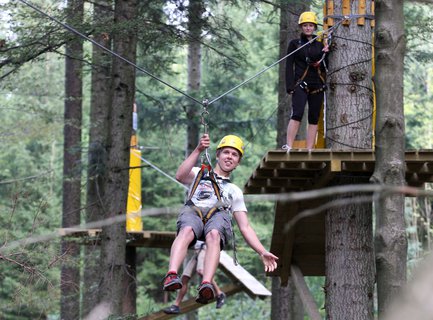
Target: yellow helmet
(232,141)
(308,16)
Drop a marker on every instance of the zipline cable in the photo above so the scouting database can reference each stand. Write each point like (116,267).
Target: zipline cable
(109,51)
(289,197)
(205,103)
(73,30)
(162,172)
(273,64)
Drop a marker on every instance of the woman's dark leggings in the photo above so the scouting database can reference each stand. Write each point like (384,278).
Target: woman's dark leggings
(299,99)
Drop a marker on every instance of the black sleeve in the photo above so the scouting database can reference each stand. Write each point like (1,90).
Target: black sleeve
(290,73)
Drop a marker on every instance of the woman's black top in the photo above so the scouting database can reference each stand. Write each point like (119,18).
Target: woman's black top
(298,62)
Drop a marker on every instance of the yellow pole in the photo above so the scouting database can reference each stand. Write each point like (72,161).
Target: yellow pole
(133,205)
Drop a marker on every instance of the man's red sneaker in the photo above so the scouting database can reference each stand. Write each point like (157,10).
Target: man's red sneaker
(172,282)
(206,293)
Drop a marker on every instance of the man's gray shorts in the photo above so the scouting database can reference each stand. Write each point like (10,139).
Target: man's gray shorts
(220,221)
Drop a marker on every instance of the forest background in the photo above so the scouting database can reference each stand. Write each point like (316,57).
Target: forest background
(246,41)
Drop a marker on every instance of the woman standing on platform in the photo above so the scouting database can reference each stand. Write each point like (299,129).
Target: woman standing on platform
(305,79)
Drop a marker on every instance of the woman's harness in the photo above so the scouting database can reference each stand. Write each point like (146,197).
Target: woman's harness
(316,64)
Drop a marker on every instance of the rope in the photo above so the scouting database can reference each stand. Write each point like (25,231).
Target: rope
(109,51)
(162,81)
(204,122)
(272,65)
(349,17)
(162,172)
(204,103)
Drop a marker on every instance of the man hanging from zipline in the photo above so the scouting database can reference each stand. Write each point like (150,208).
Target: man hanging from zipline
(207,214)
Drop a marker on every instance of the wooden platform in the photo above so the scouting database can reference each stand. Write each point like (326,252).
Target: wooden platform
(150,239)
(279,172)
(300,170)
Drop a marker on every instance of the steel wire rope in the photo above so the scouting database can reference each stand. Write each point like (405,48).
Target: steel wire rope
(73,30)
(202,103)
(351,84)
(271,65)
(289,197)
(162,172)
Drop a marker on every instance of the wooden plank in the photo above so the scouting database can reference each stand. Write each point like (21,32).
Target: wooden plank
(362,10)
(282,240)
(313,168)
(251,285)
(190,305)
(330,11)
(78,232)
(305,294)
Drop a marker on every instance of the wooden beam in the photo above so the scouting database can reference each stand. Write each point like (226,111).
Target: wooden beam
(190,305)
(346,11)
(362,10)
(330,11)
(304,293)
(282,240)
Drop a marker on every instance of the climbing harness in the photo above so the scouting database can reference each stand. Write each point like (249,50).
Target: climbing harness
(206,173)
(303,85)
(71,29)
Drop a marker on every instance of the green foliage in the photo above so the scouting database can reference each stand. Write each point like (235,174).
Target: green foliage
(240,39)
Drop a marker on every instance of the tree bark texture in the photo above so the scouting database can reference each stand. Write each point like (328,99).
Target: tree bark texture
(97,156)
(130,283)
(289,29)
(113,244)
(349,111)
(70,270)
(390,238)
(286,303)
(195,23)
(349,288)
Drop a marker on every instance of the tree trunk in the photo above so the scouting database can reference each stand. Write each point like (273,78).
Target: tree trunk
(390,240)
(113,244)
(97,156)
(349,288)
(289,29)
(195,22)
(286,303)
(70,271)
(130,283)
(349,245)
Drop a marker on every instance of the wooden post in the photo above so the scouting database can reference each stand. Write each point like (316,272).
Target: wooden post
(330,11)
(362,11)
(346,11)
(305,294)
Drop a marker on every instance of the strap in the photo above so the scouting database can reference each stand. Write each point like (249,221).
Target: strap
(211,177)
(201,176)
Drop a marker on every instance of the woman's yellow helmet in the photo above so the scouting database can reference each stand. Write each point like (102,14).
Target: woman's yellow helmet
(232,141)
(308,16)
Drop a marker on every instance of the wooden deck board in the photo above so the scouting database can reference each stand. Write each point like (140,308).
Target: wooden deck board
(301,170)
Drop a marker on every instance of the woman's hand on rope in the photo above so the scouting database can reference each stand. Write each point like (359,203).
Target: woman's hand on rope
(269,260)
(326,48)
(204,142)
